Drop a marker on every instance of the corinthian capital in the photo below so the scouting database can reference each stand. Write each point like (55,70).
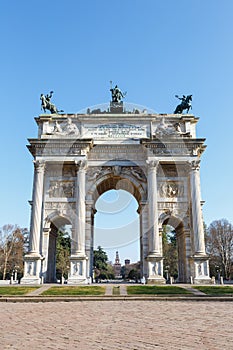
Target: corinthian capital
(152,164)
(39,166)
(195,164)
(81,165)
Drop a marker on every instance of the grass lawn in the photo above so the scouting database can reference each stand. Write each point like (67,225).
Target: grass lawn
(156,290)
(16,290)
(72,290)
(215,290)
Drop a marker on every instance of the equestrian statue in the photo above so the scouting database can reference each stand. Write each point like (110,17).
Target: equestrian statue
(185,104)
(46,103)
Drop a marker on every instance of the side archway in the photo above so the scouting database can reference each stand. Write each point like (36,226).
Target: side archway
(54,223)
(175,226)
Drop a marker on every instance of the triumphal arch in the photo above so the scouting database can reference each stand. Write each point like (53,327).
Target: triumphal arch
(78,157)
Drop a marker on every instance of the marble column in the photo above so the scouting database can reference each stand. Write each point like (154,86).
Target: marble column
(198,229)
(79,231)
(33,259)
(153,208)
(36,215)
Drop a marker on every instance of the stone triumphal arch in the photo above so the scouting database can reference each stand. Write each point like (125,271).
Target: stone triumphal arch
(78,157)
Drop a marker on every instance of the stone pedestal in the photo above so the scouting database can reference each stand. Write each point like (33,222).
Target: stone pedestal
(201,269)
(32,268)
(78,270)
(116,107)
(155,270)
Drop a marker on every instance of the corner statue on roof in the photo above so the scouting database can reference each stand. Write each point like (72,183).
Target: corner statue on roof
(117,94)
(46,103)
(185,104)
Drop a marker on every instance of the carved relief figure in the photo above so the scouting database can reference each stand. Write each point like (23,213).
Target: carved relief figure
(71,128)
(57,128)
(76,268)
(171,190)
(93,173)
(68,129)
(155,269)
(138,173)
(30,268)
(164,129)
(61,189)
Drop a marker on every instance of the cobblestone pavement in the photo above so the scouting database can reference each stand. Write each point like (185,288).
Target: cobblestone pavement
(117,325)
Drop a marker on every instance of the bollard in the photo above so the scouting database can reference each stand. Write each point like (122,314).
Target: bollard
(221,280)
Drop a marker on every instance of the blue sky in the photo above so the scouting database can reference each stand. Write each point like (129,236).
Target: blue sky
(152,49)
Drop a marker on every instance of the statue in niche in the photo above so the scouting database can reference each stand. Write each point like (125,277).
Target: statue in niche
(117,94)
(184,105)
(47,105)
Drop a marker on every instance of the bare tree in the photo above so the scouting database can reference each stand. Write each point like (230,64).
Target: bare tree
(12,240)
(220,245)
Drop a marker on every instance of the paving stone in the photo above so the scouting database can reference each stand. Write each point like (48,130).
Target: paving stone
(117,325)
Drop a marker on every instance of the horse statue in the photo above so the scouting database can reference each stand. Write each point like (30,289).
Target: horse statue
(185,104)
(47,105)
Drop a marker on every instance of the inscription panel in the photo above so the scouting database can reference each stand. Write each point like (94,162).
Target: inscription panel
(114,131)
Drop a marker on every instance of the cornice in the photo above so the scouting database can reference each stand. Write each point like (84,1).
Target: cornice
(65,147)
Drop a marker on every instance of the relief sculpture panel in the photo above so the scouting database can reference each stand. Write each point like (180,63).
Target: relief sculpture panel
(61,189)
(171,189)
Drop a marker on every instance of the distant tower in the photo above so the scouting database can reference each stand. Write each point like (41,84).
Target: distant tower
(117,266)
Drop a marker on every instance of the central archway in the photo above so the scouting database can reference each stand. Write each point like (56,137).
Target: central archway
(116,226)
(129,193)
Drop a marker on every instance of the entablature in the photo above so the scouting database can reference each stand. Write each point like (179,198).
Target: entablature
(61,147)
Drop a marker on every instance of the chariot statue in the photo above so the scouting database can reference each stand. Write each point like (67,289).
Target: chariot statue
(117,94)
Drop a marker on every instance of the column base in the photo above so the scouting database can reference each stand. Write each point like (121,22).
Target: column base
(78,268)
(203,280)
(32,268)
(201,269)
(156,280)
(27,280)
(155,269)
